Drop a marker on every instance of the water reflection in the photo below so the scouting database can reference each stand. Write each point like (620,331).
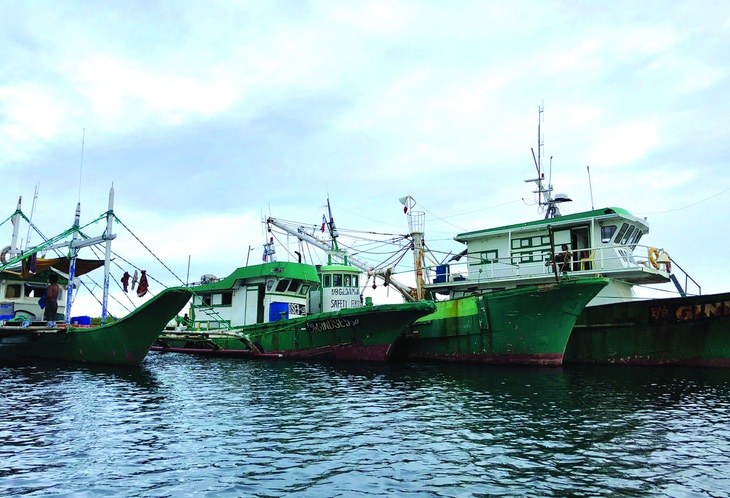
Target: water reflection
(186,425)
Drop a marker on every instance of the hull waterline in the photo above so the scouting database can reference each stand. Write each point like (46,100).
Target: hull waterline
(524,326)
(354,334)
(690,331)
(124,342)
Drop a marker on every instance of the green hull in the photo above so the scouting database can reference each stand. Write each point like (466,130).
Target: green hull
(123,342)
(365,333)
(526,326)
(691,331)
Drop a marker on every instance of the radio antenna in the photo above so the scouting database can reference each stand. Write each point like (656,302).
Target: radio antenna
(81,165)
(590,186)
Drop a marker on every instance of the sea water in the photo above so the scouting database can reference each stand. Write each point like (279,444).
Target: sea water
(188,426)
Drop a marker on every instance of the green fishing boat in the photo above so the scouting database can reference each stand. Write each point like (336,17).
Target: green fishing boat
(616,326)
(124,342)
(477,320)
(291,310)
(24,276)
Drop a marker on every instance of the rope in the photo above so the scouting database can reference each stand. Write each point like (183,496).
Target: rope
(148,250)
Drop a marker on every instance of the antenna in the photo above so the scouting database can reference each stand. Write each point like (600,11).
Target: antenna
(32,211)
(590,186)
(81,165)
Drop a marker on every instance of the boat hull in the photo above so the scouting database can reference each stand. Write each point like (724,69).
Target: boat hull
(357,334)
(524,326)
(692,331)
(124,342)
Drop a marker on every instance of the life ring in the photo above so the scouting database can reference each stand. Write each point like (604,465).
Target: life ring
(653,255)
(4,254)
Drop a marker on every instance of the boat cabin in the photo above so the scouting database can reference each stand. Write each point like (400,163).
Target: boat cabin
(603,241)
(20,296)
(340,289)
(273,291)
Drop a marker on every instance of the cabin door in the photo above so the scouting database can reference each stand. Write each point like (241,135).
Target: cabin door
(250,312)
(580,245)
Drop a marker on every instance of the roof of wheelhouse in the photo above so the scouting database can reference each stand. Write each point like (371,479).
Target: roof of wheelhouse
(560,220)
(298,271)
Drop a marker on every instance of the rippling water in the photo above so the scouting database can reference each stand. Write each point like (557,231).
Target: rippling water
(181,426)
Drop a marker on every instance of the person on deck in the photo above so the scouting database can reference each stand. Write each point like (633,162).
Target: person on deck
(51,300)
(564,258)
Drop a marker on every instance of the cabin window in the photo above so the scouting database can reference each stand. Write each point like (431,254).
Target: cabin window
(355,282)
(282,285)
(269,284)
(294,286)
(12,291)
(224,299)
(621,233)
(337,280)
(607,232)
(348,281)
(303,291)
(34,290)
(636,239)
(327,281)
(627,236)
(206,299)
(488,257)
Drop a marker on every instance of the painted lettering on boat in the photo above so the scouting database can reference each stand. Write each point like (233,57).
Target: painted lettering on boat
(331,324)
(342,303)
(695,312)
(296,309)
(345,292)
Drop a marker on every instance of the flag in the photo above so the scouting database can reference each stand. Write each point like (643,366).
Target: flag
(324,222)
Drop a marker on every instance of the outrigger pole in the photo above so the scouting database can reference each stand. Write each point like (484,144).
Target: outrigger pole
(16,229)
(73,252)
(107,256)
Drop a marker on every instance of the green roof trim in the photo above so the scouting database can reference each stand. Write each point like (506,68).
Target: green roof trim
(298,271)
(342,268)
(596,213)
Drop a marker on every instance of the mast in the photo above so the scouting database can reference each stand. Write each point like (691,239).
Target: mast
(545,194)
(357,263)
(72,263)
(107,256)
(16,229)
(416,225)
(32,211)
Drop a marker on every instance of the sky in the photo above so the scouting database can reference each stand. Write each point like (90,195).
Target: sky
(208,116)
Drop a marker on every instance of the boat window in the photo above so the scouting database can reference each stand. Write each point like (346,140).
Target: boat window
(637,238)
(348,281)
(294,286)
(227,298)
(206,299)
(327,281)
(12,291)
(607,232)
(337,280)
(621,233)
(355,281)
(627,236)
(303,291)
(34,290)
(488,257)
(282,285)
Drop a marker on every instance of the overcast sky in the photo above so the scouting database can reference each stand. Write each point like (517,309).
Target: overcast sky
(206,115)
